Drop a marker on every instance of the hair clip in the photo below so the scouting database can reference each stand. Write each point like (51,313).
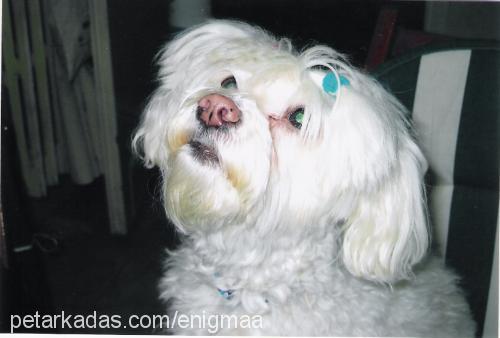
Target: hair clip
(331,82)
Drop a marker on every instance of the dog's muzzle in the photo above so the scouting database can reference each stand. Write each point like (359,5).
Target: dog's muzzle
(216,114)
(216,111)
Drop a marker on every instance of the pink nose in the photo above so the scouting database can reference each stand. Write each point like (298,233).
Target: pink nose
(216,110)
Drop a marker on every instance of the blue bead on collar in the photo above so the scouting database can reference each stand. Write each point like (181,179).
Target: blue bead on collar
(227,294)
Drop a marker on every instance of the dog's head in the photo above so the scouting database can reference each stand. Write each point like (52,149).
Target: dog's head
(249,132)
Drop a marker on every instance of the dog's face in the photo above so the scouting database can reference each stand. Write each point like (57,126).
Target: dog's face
(248,132)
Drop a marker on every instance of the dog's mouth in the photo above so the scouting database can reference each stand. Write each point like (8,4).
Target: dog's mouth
(204,153)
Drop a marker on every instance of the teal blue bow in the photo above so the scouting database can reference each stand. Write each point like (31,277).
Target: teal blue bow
(331,83)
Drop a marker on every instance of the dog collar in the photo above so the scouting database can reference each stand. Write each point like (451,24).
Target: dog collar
(226,294)
(331,82)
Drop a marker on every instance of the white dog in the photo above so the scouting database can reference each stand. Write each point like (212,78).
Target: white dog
(298,186)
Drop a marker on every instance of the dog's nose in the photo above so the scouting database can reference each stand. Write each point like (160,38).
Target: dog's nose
(215,110)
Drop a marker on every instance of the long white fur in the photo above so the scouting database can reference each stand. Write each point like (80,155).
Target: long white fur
(318,230)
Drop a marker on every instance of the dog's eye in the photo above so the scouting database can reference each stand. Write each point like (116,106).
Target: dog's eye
(229,83)
(297,117)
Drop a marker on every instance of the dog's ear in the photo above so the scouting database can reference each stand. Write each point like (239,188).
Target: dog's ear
(150,138)
(386,232)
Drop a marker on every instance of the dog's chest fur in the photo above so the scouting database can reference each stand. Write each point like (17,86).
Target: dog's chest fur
(297,289)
